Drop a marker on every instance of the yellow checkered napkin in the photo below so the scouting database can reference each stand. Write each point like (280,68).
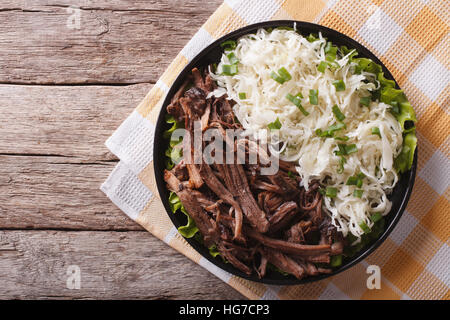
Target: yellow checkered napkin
(412,38)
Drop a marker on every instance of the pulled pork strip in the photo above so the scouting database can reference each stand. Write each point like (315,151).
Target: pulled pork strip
(188,143)
(297,232)
(204,223)
(236,181)
(174,108)
(284,263)
(288,185)
(219,189)
(261,270)
(282,216)
(228,254)
(262,185)
(287,166)
(324,258)
(288,247)
(269,201)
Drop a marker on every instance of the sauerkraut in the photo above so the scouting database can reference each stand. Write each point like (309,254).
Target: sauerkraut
(345,139)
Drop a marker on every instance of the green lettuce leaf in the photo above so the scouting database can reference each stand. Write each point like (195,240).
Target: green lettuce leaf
(385,82)
(402,109)
(367,65)
(174,152)
(188,230)
(407,117)
(213,251)
(404,160)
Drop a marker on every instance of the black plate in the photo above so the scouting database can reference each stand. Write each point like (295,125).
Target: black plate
(212,54)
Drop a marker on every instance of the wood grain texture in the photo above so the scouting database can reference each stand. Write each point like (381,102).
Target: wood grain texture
(41,192)
(70,121)
(118,41)
(53,158)
(113,265)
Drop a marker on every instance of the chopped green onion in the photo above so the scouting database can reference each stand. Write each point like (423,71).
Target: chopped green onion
(331,192)
(359,183)
(327,133)
(337,126)
(376,217)
(338,113)
(352,181)
(296,100)
(242,95)
(351,148)
(314,97)
(344,138)
(284,73)
(341,150)
(339,84)
(282,76)
(229,70)
(277,78)
(365,101)
(321,133)
(330,132)
(336,261)
(330,51)
(345,150)
(229,44)
(342,161)
(376,130)
(358,193)
(276,125)
(364,227)
(322,66)
(232,58)
(291,175)
(356,180)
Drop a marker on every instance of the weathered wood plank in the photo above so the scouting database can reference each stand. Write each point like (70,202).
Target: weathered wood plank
(72,121)
(52,155)
(118,41)
(113,265)
(40,192)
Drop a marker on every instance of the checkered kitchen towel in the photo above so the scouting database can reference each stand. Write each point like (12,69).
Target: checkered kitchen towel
(412,38)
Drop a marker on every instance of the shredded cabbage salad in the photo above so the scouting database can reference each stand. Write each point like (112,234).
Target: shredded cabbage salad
(337,117)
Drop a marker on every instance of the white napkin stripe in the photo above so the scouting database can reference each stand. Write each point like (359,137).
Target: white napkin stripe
(126,191)
(221,274)
(132,143)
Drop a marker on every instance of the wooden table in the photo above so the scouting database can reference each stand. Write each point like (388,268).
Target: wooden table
(63,91)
